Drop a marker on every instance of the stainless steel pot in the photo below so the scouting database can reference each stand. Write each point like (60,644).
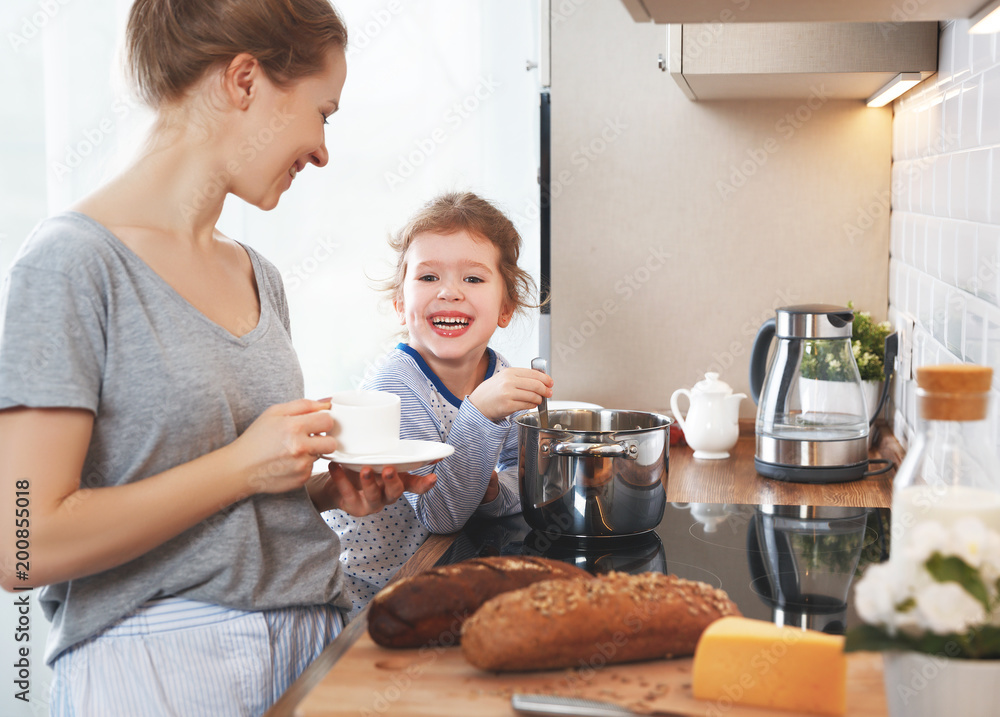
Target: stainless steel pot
(593,472)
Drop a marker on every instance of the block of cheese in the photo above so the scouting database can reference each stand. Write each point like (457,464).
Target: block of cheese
(753,662)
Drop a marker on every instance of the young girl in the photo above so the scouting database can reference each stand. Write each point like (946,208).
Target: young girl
(151,407)
(456,281)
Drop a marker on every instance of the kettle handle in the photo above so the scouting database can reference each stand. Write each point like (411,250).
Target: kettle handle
(758,357)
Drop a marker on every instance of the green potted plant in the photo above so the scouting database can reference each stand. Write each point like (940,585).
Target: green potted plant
(868,348)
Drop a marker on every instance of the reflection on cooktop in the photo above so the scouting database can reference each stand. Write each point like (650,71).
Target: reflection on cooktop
(794,565)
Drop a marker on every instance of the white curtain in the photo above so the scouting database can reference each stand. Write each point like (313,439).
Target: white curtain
(437,98)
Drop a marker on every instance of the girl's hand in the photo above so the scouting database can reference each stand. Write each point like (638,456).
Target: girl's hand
(365,493)
(278,450)
(493,490)
(513,389)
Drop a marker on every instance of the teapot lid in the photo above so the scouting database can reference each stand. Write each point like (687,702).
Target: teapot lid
(712,384)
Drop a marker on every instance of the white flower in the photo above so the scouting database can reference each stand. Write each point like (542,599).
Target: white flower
(947,608)
(926,538)
(970,541)
(902,596)
(873,595)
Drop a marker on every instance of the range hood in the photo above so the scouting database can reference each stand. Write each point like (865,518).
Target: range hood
(688,11)
(838,60)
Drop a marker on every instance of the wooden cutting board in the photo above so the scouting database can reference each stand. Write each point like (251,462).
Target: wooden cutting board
(370,680)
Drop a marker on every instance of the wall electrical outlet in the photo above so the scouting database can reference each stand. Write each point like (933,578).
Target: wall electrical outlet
(904,359)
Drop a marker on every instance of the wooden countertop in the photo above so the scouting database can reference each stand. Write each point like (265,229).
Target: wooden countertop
(735,480)
(732,481)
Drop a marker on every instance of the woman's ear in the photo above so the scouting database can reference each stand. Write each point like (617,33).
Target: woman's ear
(241,80)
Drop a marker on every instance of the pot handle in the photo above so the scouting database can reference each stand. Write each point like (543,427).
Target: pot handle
(625,449)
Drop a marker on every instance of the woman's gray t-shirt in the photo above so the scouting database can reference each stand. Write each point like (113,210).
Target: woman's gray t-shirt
(85,323)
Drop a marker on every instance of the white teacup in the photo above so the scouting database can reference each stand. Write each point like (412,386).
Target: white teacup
(367,422)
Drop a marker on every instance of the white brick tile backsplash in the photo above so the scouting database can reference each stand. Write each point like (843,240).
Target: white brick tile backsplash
(947,245)
(965,256)
(925,300)
(981,52)
(920,242)
(912,306)
(944,272)
(969,134)
(993,200)
(955,321)
(946,53)
(993,343)
(928,169)
(989,128)
(987,278)
(896,231)
(939,312)
(975,331)
(920,142)
(977,185)
(952,191)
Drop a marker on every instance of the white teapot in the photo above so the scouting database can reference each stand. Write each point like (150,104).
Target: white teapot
(711,427)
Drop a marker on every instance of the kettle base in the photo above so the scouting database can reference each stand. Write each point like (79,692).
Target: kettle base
(811,474)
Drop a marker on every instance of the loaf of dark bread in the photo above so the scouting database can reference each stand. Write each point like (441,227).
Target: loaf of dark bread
(430,607)
(614,618)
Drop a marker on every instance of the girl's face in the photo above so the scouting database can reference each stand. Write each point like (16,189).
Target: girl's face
(286,132)
(452,298)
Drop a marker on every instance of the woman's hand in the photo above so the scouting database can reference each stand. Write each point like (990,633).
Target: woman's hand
(513,389)
(365,493)
(278,450)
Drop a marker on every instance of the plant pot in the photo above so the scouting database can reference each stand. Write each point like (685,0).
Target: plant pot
(921,685)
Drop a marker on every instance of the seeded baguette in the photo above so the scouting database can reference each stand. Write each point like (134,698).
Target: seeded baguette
(616,617)
(431,606)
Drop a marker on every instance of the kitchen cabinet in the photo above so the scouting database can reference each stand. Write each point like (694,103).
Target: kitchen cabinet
(897,11)
(814,60)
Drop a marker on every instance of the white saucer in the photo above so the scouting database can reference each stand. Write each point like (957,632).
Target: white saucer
(409,456)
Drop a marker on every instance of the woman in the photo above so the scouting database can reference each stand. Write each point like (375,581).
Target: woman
(159,428)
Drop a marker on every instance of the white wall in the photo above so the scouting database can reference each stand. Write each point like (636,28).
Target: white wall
(682,225)
(944,287)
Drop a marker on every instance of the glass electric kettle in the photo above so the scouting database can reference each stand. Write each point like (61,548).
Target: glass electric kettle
(812,421)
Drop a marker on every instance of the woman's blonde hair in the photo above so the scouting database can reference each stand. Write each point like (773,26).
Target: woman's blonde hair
(171,43)
(458,211)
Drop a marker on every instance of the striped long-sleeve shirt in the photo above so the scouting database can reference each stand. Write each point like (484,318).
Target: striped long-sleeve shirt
(374,547)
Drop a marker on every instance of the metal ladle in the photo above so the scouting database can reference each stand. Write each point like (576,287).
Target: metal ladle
(540,364)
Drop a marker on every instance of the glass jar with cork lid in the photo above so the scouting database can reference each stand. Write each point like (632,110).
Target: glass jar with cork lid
(951,470)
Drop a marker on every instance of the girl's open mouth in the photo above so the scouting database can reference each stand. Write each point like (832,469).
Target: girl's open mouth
(450,325)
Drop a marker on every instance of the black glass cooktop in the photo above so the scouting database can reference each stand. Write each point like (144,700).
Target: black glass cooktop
(793,565)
